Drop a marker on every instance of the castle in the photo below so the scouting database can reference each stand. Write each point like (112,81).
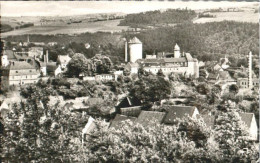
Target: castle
(176,62)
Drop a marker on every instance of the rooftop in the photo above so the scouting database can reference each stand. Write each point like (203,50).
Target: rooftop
(150,117)
(176,111)
(135,40)
(116,122)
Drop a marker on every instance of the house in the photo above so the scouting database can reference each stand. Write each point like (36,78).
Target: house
(43,68)
(147,118)
(251,124)
(247,118)
(176,111)
(117,121)
(35,52)
(244,82)
(217,68)
(19,73)
(63,61)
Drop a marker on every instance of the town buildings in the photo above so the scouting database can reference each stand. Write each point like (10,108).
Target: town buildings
(176,62)
(19,73)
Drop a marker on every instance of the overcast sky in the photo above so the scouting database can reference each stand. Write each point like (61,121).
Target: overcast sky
(64,8)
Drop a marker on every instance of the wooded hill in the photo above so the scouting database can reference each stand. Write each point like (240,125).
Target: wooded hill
(207,41)
(170,16)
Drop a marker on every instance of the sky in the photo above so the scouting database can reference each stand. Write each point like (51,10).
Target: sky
(66,8)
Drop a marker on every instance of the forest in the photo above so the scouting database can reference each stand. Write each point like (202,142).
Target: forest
(207,42)
(170,16)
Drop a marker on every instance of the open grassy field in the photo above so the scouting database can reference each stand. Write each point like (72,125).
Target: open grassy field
(246,16)
(74,28)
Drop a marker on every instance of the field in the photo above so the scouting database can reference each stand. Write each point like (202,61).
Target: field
(74,28)
(246,16)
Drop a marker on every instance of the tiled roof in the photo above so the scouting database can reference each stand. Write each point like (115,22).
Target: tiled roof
(21,56)
(120,118)
(247,118)
(15,65)
(170,60)
(51,66)
(135,40)
(150,117)
(176,111)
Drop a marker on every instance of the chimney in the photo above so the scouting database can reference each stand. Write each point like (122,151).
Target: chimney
(44,58)
(250,83)
(126,51)
(47,56)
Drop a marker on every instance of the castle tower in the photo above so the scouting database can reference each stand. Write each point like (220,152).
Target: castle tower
(250,83)
(135,49)
(177,52)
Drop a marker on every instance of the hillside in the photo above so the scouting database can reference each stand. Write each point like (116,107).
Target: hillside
(206,41)
(171,16)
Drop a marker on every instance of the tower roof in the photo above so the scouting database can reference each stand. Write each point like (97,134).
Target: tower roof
(135,40)
(176,47)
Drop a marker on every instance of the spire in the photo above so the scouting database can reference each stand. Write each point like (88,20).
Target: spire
(250,70)
(176,47)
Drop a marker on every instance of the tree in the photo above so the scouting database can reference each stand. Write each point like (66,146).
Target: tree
(38,132)
(160,73)
(150,89)
(78,64)
(232,136)
(233,89)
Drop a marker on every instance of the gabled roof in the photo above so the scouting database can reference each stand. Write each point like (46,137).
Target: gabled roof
(176,111)
(51,66)
(213,76)
(119,119)
(135,40)
(150,117)
(247,118)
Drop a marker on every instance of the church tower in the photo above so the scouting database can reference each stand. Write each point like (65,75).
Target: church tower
(177,53)
(250,83)
(135,49)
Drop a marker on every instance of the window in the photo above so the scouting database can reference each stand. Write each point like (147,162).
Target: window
(16,71)
(30,70)
(26,76)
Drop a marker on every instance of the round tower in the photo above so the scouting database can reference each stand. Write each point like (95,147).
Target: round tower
(135,49)
(177,53)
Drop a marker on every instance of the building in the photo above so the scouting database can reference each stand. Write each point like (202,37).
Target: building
(53,69)
(19,73)
(178,112)
(147,118)
(177,62)
(251,124)
(135,47)
(35,52)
